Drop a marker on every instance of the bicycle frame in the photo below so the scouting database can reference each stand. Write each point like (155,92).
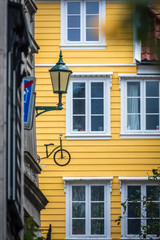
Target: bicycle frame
(49,154)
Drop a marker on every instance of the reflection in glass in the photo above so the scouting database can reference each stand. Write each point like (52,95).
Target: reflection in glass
(133,122)
(154,226)
(73,34)
(97,106)
(74,21)
(73,7)
(78,193)
(97,123)
(134,209)
(97,90)
(97,210)
(92,7)
(152,122)
(152,105)
(133,105)
(79,90)
(134,226)
(78,226)
(153,209)
(78,106)
(152,89)
(97,226)
(153,193)
(97,193)
(92,21)
(134,193)
(78,210)
(79,123)
(92,34)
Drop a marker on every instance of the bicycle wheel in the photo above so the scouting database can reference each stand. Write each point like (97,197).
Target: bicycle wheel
(62,157)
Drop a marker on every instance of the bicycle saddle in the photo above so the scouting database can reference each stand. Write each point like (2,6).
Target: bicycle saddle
(49,144)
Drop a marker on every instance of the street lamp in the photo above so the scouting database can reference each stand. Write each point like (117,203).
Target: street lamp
(60,77)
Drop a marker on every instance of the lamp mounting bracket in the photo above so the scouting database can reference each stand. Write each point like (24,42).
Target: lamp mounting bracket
(40,110)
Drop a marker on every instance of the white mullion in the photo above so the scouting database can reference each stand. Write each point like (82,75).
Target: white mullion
(88,211)
(84,22)
(143,213)
(72,106)
(82,4)
(89,106)
(125,107)
(71,223)
(142,106)
(105,109)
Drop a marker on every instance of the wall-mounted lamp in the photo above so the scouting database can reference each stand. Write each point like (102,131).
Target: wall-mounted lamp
(60,77)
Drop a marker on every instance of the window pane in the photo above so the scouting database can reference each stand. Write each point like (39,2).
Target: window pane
(133,105)
(152,105)
(153,210)
(73,7)
(92,7)
(153,193)
(133,89)
(97,106)
(97,90)
(97,193)
(97,226)
(78,193)
(152,122)
(97,210)
(97,123)
(152,89)
(154,227)
(78,106)
(134,209)
(134,192)
(78,226)
(73,34)
(79,90)
(79,123)
(92,21)
(78,210)
(74,21)
(134,226)
(133,122)
(92,35)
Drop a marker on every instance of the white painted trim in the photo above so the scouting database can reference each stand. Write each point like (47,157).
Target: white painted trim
(135,76)
(87,137)
(87,178)
(140,135)
(86,46)
(89,65)
(96,238)
(92,74)
(133,178)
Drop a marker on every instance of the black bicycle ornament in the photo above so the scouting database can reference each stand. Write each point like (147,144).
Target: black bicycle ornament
(61,157)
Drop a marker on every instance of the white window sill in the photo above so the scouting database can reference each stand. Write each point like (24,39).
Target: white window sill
(140,135)
(88,238)
(83,46)
(87,136)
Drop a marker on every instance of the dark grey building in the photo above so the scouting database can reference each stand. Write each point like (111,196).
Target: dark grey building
(20,196)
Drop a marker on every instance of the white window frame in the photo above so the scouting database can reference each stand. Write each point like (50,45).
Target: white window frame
(132,181)
(142,133)
(88,181)
(101,44)
(87,78)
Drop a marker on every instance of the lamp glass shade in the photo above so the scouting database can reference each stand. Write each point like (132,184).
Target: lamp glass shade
(60,81)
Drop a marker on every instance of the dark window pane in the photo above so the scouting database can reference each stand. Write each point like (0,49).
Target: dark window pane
(153,209)
(78,210)
(134,209)
(154,226)
(79,90)
(78,226)
(133,122)
(97,123)
(92,21)
(78,193)
(74,21)
(78,106)
(152,89)
(79,123)
(152,122)
(133,89)
(97,227)
(153,193)
(97,210)
(134,193)
(73,7)
(92,7)
(97,193)
(97,90)
(152,105)
(134,226)
(97,106)
(92,35)
(133,105)
(73,34)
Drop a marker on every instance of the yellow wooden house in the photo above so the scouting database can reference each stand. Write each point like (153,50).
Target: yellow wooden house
(109,122)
